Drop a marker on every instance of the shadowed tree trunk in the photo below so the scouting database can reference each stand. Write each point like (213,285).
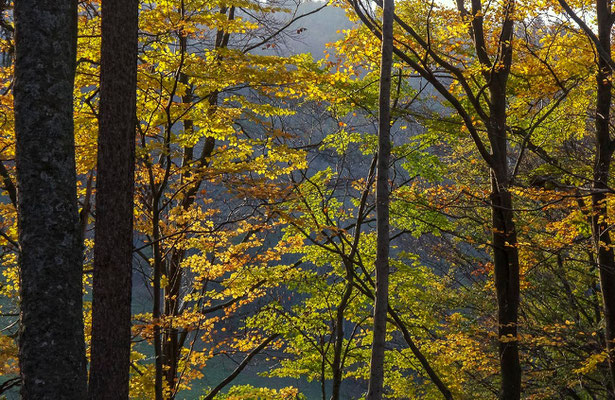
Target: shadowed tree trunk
(337,365)
(376,375)
(604,153)
(51,344)
(504,234)
(111,314)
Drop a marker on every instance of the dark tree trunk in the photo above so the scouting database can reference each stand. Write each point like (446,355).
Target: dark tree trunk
(506,265)
(171,345)
(172,340)
(504,235)
(51,344)
(600,215)
(376,376)
(111,314)
(338,364)
(505,253)
(158,360)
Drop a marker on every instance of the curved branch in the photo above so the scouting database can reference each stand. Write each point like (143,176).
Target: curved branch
(242,365)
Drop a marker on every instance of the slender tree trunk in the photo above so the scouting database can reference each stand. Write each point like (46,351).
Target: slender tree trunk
(337,366)
(600,215)
(376,376)
(604,251)
(170,344)
(111,313)
(173,341)
(158,359)
(605,256)
(504,235)
(506,265)
(51,344)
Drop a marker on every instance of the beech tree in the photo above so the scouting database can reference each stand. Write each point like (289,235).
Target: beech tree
(51,344)
(381,302)
(113,248)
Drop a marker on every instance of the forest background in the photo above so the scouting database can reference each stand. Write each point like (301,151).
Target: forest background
(254,205)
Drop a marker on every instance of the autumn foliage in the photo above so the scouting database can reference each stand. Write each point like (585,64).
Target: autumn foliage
(255,205)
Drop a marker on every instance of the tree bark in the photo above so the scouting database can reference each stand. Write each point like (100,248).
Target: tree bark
(376,376)
(603,156)
(171,346)
(157,276)
(51,343)
(338,365)
(172,340)
(111,312)
(506,266)
(504,235)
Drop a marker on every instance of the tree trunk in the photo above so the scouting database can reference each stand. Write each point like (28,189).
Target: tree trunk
(338,364)
(111,313)
(171,346)
(600,214)
(506,265)
(157,276)
(376,376)
(505,254)
(51,344)
(172,343)
(504,235)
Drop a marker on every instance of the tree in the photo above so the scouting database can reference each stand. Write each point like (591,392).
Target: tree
(51,345)
(481,106)
(113,241)
(331,214)
(381,304)
(604,147)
